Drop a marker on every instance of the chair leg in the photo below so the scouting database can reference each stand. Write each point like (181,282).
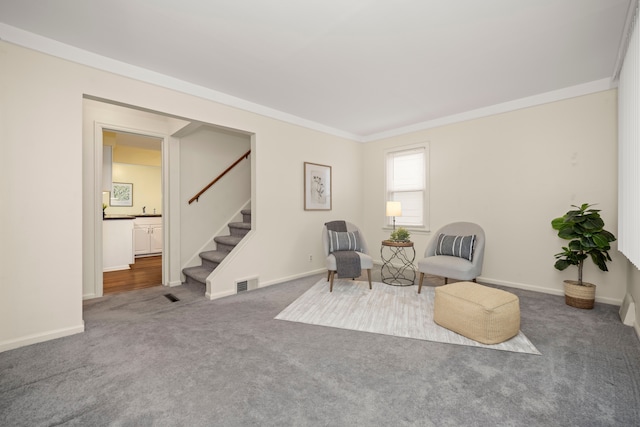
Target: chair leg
(331,274)
(446,280)
(369,276)
(474,280)
(328,275)
(420,284)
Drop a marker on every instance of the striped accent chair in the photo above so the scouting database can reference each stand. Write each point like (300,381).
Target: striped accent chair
(346,243)
(456,251)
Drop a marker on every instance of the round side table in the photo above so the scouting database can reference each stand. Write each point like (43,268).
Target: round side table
(397,263)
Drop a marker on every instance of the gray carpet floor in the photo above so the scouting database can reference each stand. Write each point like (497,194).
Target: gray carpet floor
(147,361)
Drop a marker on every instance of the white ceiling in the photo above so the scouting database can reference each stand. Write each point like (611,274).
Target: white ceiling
(363,68)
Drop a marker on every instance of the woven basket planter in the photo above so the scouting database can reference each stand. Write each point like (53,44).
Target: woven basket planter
(579,296)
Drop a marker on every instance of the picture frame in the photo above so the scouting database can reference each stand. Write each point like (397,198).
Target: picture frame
(121,194)
(317,187)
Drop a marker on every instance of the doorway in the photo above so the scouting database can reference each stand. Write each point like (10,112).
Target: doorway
(134,164)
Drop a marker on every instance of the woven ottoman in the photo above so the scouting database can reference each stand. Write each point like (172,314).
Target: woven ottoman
(484,314)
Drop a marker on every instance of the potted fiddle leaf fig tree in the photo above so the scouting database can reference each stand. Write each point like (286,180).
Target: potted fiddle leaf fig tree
(587,237)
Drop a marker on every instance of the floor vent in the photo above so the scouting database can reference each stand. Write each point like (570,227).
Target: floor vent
(171,297)
(242,286)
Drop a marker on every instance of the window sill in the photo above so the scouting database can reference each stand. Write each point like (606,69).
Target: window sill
(416,230)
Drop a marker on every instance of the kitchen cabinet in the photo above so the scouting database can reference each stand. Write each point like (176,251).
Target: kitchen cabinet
(147,235)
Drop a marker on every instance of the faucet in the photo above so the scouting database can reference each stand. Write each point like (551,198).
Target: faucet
(144,208)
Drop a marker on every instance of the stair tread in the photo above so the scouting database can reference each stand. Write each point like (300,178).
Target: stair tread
(198,273)
(244,225)
(214,256)
(228,240)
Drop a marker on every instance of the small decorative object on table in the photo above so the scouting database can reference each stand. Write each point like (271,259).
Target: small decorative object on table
(400,235)
(588,238)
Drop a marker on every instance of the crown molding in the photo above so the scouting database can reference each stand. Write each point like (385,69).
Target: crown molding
(505,107)
(61,50)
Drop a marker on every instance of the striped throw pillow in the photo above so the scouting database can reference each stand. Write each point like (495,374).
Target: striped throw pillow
(344,241)
(459,246)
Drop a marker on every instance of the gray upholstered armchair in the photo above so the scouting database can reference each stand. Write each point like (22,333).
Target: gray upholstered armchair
(362,250)
(455,251)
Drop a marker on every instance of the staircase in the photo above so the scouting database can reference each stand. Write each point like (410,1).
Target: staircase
(224,244)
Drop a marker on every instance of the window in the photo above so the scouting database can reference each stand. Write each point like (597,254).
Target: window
(407,184)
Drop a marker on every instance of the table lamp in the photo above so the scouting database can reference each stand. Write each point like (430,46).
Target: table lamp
(394,209)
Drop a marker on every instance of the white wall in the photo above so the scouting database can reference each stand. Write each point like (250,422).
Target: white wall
(41,168)
(42,113)
(513,173)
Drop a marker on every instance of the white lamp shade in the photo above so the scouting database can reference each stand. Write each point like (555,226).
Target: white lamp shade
(394,209)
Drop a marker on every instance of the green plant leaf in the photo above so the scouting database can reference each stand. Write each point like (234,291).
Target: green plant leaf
(562,264)
(609,236)
(557,223)
(601,241)
(593,223)
(600,260)
(568,233)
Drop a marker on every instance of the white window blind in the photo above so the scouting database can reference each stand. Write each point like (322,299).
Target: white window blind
(406,183)
(629,150)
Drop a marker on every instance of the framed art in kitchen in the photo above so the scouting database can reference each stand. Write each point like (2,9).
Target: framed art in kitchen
(121,194)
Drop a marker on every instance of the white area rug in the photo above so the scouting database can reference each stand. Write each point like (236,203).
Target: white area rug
(389,310)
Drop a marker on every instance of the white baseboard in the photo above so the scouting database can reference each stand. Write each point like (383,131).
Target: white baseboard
(219,294)
(117,268)
(292,277)
(36,338)
(560,292)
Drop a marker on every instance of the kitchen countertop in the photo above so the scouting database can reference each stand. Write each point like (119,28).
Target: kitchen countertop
(119,216)
(115,216)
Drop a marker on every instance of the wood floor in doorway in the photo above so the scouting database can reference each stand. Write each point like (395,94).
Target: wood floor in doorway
(145,273)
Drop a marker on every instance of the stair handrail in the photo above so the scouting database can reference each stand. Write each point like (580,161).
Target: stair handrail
(197,196)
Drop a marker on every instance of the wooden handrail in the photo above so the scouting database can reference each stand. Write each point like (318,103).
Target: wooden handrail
(197,196)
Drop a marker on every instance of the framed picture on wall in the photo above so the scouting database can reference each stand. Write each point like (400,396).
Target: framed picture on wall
(121,194)
(317,187)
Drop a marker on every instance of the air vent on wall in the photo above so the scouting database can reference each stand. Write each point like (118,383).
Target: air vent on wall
(246,284)
(241,286)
